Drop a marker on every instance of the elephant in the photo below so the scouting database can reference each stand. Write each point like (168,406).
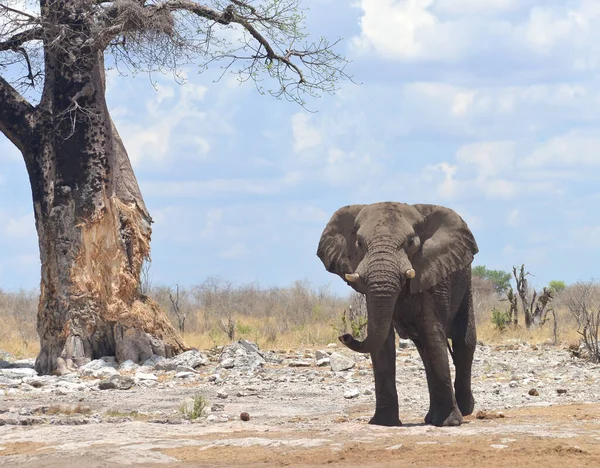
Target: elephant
(413,263)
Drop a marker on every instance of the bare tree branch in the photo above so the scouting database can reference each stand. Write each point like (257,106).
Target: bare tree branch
(16,116)
(18,12)
(16,42)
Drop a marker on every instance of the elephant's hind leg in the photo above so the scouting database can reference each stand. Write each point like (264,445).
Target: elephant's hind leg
(464,339)
(386,396)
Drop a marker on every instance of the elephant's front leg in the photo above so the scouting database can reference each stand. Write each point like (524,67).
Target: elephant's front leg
(443,410)
(386,396)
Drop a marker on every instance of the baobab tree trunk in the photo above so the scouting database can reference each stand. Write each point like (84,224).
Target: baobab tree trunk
(93,226)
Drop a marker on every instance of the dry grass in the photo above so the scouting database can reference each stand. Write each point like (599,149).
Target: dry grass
(67,410)
(18,315)
(275,318)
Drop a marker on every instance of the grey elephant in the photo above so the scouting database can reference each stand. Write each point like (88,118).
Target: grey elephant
(413,262)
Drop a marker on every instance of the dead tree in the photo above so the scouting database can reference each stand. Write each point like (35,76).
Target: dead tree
(584,303)
(93,226)
(181,315)
(535,308)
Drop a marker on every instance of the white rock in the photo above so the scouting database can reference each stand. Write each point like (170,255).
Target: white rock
(395,447)
(128,365)
(323,362)
(332,345)
(105,373)
(228,363)
(222,394)
(145,376)
(184,375)
(353,393)
(299,363)
(20,373)
(340,362)
(154,360)
(97,364)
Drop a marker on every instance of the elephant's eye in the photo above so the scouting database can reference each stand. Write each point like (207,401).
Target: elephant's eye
(411,240)
(359,243)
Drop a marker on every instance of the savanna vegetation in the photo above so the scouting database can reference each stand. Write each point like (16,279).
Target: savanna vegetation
(217,311)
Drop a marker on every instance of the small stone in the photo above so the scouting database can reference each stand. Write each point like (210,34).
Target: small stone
(145,376)
(128,365)
(561,391)
(299,363)
(154,360)
(319,354)
(105,372)
(368,391)
(340,362)
(351,394)
(184,375)
(228,363)
(217,407)
(395,447)
(513,384)
(534,392)
(244,416)
(332,345)
(322,362)
(222,394)
(107,385)
(498,446)
(404,344)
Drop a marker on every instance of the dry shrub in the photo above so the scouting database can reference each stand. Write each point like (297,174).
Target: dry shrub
(278,317)
(18,316)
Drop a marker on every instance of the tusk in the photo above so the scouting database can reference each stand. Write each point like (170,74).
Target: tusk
(352,277)
(410,274)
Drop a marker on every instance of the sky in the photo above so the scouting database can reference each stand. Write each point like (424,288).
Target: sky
(489,107)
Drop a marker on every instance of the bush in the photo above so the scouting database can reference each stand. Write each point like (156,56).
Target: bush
(194,409)
(500,319)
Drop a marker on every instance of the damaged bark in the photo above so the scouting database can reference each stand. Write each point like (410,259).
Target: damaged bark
(93,226)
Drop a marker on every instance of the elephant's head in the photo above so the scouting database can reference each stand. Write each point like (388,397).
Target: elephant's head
(384,248)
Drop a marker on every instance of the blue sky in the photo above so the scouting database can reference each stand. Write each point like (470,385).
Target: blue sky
(489,107)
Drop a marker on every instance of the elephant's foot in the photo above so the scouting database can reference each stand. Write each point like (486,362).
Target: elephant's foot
(386,417)
(465,402)
(444,417)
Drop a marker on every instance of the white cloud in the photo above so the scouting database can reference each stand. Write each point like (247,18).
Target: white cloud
(221,187)
(513,218)
(448,186)
(305,134)
(236,251)
(465,7)
(409,30)
(491,158)
(307,214)
(574,149)
(449,31)
(213,218)
(150,139)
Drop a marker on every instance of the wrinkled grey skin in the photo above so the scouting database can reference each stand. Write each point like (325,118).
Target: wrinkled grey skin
(381,242)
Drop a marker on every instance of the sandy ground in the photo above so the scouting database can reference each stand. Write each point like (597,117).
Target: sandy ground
(556,436)
(302,423)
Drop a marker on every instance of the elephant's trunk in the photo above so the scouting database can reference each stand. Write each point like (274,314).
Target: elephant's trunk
(386,274)
(381,310)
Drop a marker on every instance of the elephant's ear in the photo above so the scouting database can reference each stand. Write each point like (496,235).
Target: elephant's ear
(447,245)
(337,248)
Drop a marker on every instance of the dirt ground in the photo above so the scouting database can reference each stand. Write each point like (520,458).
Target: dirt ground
(550,436)
(302,417)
